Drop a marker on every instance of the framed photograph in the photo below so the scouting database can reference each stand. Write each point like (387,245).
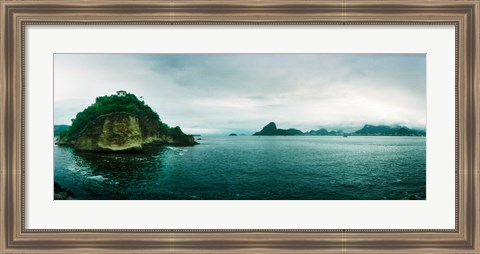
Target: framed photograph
(118,148)
(208,126)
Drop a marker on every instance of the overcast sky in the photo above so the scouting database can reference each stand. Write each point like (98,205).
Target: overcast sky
(224,93)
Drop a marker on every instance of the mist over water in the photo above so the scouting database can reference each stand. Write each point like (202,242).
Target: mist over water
(252,168)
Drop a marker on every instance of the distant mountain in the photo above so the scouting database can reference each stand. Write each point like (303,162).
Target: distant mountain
(57,129)
(324,132)
(233,134)
(367,130)
(385,130)
(271,130)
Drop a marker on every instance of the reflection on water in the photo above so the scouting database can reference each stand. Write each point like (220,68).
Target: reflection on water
(252,168)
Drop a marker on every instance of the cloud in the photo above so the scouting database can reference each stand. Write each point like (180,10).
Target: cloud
(222,93)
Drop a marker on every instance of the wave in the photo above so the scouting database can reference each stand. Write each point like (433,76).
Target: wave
(178,150)
(73,168)
(98,178)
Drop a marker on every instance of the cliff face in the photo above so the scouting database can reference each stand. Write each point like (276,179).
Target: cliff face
(169,138)
(113,132)
(122,132)
(118,124)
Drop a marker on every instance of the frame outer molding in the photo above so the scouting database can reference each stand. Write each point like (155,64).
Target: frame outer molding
(3,128)
(14,15)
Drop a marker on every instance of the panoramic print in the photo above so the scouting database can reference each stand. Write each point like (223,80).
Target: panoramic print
(239,127)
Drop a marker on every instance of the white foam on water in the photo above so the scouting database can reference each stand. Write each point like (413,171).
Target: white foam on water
(98,178)
(73,168)
(179,151)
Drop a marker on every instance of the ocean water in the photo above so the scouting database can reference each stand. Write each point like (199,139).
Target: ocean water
(252,168)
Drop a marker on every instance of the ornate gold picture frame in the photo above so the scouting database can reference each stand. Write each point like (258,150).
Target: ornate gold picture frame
(16,15)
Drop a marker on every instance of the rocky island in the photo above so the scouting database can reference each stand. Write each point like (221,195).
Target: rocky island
(120,123)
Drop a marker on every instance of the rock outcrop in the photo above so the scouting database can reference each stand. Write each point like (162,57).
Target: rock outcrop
(122,132)
(111,133)
(60,193)
(120,124)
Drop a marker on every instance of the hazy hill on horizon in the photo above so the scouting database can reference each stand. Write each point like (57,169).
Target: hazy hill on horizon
(368,130)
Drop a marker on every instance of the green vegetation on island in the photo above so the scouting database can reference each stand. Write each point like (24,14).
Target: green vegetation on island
(120,122)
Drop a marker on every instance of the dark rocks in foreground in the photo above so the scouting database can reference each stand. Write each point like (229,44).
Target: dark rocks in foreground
(60,193)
